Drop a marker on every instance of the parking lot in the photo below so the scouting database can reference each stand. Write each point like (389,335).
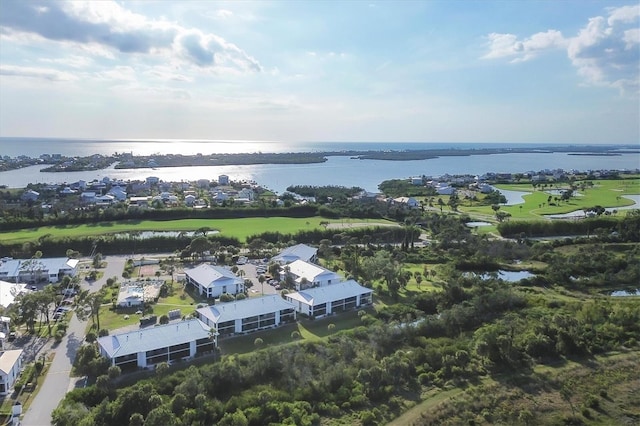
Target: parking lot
(252,269)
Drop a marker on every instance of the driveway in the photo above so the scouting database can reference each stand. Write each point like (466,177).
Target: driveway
(58,381)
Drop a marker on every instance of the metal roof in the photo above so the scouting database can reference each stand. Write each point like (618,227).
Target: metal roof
(299,251)
(148,339)
(211,276)
(312,272)
(319,295)
(231,311)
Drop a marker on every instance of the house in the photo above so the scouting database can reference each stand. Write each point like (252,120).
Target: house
(152,180)
(297,252)
(203,183)
(223,180)
(306,275)
(9,292)
(246,193)
(407,201)
(30,195)
(219,197)
(321,301)
(445,190)
(189,200)
(88,197)
(10,366)
(247,315)
(67,191)
(164,343)
(416,180)
(118,193)
(104,200)
(139,201)
(213,281)
(36,270)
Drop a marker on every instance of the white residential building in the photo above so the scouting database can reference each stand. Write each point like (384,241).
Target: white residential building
(407,201)
(321,301)
(297,252)
(213,281)
(9,292)
(247,315)
(164,343)
(10,366)
(36,270)
(306,275)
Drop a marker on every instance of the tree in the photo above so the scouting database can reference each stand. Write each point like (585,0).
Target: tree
(261,280)
(97,260)
(90,303)
(200,245)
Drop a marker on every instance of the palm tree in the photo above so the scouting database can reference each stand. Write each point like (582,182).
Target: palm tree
(261,280)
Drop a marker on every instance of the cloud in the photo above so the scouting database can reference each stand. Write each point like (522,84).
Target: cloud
(508,45)
(605,52)
(39,73)
(107,24)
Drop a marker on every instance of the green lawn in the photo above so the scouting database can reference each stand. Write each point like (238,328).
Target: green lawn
(606,193)
(310,330)
(239,228)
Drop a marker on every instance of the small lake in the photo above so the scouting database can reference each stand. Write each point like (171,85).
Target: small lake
(513,197)
(580,213)
(625,293)
(477,224)
(510,276)
(145,235)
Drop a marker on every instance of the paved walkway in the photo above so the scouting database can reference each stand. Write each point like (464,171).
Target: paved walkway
(58,381)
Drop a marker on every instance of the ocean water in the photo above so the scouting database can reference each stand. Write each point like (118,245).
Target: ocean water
(338,170)
(34,147)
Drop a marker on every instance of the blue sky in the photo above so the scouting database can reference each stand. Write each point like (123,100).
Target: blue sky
(432,71)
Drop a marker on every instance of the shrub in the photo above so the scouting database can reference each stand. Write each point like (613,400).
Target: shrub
(103,332)
(295,335)
(258,342)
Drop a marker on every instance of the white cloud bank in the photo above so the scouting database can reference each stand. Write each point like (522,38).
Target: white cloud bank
(606,52)
(106,24)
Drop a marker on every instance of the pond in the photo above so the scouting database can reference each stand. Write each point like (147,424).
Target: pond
(145,235)
(477,224)
(513,197)
(510,276)
(581,213)
(625,293)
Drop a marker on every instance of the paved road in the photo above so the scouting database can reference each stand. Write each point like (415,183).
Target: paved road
(58,382)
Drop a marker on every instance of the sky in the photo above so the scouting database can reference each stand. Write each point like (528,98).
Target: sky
(402,71)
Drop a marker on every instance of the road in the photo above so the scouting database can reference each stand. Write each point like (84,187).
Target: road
(58,381)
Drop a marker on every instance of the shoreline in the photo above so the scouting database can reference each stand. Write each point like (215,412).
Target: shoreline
(128,161)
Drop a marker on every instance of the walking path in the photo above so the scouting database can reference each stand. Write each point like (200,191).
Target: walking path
(58,381)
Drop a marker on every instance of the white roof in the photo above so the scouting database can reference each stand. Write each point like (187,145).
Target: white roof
(312,272)
(319,295)
(8,359)
(12,268)
(212,276)
(9,291)
(239,309)
(147,339)
(299,251)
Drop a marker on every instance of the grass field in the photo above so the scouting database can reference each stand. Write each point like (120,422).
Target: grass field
(605,193)
(239,228)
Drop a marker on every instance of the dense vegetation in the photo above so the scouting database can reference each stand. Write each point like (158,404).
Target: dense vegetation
(484,342)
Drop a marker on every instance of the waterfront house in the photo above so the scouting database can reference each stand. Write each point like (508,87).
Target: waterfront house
(164,343)
(223,180)
(213,281)
(321,301)
(247,315)
(30,195)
